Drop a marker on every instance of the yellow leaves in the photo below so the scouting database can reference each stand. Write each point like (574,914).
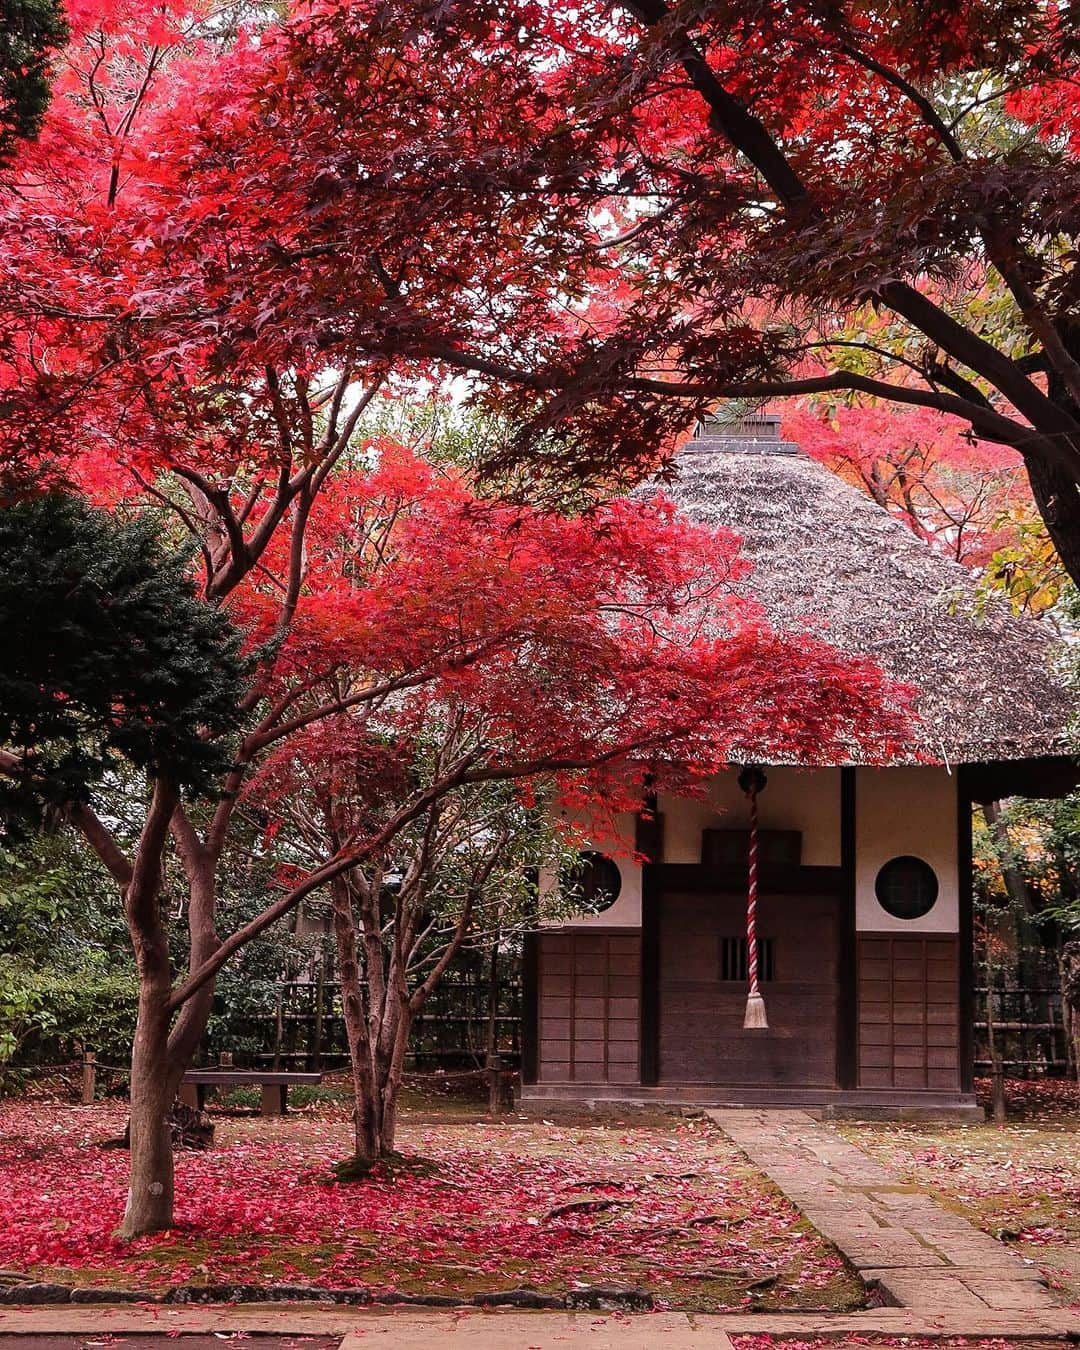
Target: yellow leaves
(1026,571)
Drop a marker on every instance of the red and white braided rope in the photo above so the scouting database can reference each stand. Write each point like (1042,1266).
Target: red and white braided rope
(751,900)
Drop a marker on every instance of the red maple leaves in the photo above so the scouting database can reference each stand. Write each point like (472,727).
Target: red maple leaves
(258,1209)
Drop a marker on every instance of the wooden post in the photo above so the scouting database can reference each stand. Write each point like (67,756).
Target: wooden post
(493,998)
(315,1057)
(279,1024)
(494,1072)
(89,1077)
(997,1068)
(274,1099)
(225,1060)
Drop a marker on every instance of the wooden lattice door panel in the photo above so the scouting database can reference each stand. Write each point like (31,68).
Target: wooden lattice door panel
(589,985)
(909,1024)
(702,990)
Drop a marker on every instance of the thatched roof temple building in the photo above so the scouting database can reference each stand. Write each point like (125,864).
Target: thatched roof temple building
(863,918)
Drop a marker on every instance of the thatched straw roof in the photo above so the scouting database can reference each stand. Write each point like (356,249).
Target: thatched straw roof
(828,560)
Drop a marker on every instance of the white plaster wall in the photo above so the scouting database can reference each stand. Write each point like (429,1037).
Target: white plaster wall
(807,801)
(906,809)
(793,799)
(626,911)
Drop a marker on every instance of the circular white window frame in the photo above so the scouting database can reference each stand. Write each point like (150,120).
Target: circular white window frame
(593,858)
(929,880)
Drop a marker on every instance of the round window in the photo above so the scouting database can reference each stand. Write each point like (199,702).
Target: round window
(595,880)
(906,887)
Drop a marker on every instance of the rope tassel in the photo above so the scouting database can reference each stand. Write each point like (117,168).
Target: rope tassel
(752,781)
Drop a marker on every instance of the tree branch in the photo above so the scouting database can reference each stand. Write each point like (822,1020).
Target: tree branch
(89,825)
(749,136)
(334,867)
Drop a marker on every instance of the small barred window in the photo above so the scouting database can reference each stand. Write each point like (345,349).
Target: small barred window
(734,960)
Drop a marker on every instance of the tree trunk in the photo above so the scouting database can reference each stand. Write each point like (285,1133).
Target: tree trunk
(1015,884)
(1056,493)
(163,1048)
(1069,965)
(392,1072)
(377,1035)
(379,1012)
(367,1108)
(153,1088)
(154,1077)
(1058,501)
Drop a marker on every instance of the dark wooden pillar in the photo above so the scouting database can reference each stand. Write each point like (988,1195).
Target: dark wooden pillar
(649,842)
(530,1006)
(966,954)
(274,1100)
(847,1008)
(650,977)
(649,831)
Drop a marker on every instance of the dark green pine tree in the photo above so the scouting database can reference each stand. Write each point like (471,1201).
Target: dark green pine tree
(107,653)
(31,32)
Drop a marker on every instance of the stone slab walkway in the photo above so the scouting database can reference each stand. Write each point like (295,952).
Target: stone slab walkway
(504,1329)
(393,1328)
(922,1257)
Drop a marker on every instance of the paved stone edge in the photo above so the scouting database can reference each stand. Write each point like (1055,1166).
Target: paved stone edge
(322,1318)
(612,1298)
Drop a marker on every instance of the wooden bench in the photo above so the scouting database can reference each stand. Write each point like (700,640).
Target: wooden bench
(275,1085)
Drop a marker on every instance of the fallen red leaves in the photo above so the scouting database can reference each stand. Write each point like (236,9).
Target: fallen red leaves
(1048,1099)
(691,1217)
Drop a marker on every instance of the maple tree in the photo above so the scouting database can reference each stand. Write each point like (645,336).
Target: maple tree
(609,647)
(594,649)
(199,300)
(615,218)
(458,877)
(696,202)
(917,465)
(969,500)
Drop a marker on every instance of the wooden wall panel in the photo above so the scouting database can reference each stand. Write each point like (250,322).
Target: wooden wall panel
(909,1034)
(701,1035)
(589,984)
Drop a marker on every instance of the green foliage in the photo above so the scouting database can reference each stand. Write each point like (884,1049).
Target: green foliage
(478,439)
(21,1009)
(247,989)
(1040,839)
(87,1006)
(108,655)
(31,31)
(57,904)
(66,976)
